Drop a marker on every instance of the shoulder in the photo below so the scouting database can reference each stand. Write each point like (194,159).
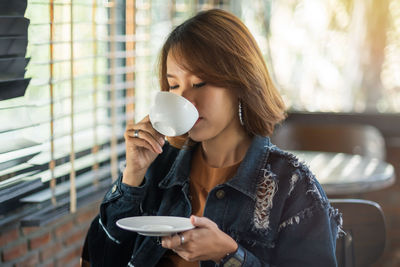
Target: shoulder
(300,193)
(293,175)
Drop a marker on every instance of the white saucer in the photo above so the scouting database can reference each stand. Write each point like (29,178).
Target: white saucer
(155,225)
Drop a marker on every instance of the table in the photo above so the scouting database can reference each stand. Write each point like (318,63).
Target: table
(341,173)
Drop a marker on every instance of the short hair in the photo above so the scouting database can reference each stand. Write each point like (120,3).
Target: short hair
(217,47)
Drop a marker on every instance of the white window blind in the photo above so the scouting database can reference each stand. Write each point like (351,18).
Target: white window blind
(92,68)
(63,138)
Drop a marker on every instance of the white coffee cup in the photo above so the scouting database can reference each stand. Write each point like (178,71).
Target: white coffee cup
(172,114)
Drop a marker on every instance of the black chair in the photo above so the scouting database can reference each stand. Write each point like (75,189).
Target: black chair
(359,139)
(365,232)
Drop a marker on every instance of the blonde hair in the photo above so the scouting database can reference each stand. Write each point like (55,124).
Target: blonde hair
(218,48)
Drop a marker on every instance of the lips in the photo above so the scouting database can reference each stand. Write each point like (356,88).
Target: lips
(199,119)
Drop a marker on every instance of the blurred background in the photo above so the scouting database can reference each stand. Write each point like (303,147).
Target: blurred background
(90,66)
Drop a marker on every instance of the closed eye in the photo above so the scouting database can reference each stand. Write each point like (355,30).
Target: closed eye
(198,85)
(173,87)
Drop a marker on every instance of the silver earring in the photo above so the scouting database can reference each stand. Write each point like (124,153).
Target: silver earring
(240,113)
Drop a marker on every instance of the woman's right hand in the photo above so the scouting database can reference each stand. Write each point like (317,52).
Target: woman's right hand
(141,151)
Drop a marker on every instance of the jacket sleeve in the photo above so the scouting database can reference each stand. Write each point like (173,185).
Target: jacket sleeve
(106,244)
(250,260)
(308,228)
(126,201)
(119,202)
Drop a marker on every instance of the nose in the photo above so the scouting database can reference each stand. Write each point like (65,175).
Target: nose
(185,91)
(186,94)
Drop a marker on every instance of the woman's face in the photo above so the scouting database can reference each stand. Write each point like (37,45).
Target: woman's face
(217,106)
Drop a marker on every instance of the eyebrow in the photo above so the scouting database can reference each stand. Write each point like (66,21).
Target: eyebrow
(170,75)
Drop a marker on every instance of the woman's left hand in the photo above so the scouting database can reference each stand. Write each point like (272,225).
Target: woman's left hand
(205,242)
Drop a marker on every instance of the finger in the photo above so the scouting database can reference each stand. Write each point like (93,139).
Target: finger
(158,136)
(147,127)
(166,242)
(159,139)
(144,120)
(143,135)
(171,242)
(202,222)
(141,143)
(145,131)
(130,125)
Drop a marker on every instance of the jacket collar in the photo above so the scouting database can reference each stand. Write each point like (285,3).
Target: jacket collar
(252,167)
(246,177)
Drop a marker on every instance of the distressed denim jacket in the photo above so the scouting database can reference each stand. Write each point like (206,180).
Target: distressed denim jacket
(273,207)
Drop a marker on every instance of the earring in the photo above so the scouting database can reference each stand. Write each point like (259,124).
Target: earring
(240,113)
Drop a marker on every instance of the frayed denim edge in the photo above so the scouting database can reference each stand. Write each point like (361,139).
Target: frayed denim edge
(312,190)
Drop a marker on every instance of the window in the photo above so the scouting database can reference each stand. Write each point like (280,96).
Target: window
(333,55)
(62,140)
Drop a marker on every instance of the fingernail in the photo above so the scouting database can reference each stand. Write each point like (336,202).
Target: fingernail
(162,141)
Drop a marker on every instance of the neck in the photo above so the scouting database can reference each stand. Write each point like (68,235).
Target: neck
(227,150)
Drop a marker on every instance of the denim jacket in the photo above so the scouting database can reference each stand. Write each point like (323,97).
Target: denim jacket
(273,207)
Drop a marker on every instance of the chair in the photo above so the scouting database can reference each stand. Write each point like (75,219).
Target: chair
(364,225)
(359,139)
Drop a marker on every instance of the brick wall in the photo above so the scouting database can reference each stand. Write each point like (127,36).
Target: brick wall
(56,244)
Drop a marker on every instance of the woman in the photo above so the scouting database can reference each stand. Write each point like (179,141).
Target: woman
(251,203)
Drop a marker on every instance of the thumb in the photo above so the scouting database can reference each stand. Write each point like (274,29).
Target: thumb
(201,221)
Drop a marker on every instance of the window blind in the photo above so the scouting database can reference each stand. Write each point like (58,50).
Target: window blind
(13,41)
(13,84)
(92,65)
(64,137)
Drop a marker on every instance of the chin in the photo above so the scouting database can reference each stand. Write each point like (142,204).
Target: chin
(197,136)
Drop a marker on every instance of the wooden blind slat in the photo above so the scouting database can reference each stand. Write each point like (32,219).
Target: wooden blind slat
(130,46)
(52,162)
(72,155)
(96,146)
(114,157)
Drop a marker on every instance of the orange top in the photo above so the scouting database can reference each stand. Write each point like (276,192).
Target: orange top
(203,179)
(177,141)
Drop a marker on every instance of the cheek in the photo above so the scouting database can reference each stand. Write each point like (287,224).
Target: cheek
(216,104)
(222,111)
